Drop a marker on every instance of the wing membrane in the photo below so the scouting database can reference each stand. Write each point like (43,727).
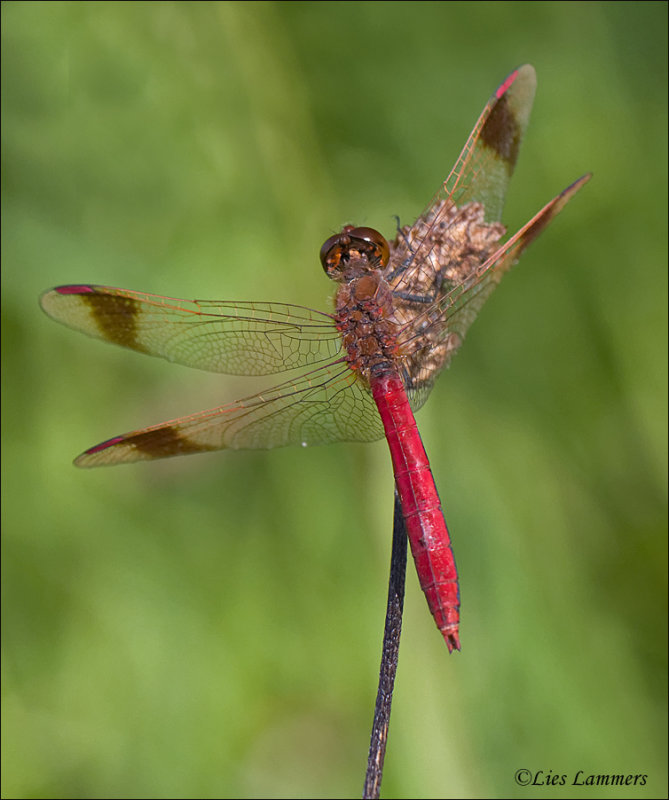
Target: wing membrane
(486,163)
(473,193)
(234,338)
(327,404)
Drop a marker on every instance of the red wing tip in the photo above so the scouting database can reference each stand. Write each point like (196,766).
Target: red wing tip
(528,69)
(82,460)
(503,89)
(103,445)
(75,288)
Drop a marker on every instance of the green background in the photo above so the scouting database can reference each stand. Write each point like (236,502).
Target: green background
(211,626)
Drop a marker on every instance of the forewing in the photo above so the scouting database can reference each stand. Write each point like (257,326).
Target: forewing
(484,168)
(486,163)
(325,405)
(462,223)
(234,338)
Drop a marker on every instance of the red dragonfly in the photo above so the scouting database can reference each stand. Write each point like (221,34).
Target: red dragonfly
(401,311)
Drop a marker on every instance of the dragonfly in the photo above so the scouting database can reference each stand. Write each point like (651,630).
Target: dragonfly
(360,371)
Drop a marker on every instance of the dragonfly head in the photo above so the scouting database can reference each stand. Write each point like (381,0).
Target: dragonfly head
(353,252)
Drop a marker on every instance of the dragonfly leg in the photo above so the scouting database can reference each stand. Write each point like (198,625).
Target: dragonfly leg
(423,299)
(401,268)
(401,233)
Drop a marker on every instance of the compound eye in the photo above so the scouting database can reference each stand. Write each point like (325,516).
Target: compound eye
(377,248)
(353,243)
(332,251)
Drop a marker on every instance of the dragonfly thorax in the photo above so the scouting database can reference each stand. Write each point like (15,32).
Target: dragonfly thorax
(365,317)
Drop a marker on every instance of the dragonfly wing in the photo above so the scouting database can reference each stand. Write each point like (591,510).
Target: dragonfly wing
(486,163)
(460,229)
(228,337)
(480,175)
(436,334)
(325,405)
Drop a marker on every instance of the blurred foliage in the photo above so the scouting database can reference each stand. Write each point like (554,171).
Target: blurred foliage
(211,626)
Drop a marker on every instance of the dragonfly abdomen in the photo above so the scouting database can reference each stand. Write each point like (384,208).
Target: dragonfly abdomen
(421,506)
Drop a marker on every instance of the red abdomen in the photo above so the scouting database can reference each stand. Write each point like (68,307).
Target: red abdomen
(421,507)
